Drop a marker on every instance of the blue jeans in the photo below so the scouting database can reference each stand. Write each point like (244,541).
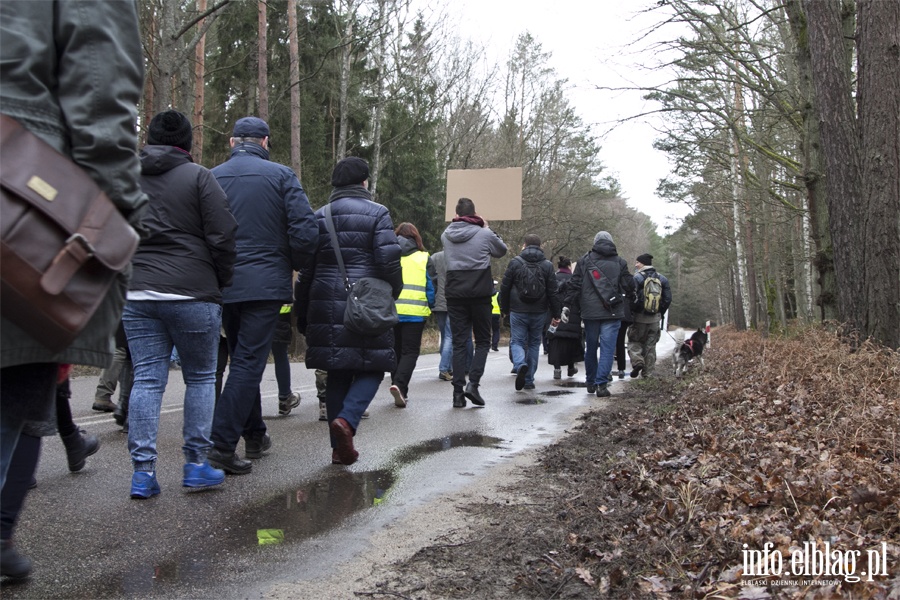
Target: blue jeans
(600,334)
(348,394)
(249,327)
(446,350)
(525,332)
(154,328)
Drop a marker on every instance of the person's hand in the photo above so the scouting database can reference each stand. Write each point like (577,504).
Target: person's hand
(554,322)
(564,315)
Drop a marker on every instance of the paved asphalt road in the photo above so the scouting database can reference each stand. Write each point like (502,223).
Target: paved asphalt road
(88,539)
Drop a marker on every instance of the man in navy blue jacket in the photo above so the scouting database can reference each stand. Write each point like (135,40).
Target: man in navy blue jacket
(277,234)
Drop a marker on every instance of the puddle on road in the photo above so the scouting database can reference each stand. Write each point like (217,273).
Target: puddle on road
(289,516)
(531,401)
(470,439)
(557,393)
(572,384)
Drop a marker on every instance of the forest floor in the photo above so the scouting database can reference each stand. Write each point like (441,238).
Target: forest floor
(784,448)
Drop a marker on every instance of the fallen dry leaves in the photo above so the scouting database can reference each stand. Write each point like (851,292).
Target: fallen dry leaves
(784,441)
(780,441)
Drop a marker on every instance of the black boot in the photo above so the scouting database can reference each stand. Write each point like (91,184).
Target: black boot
(459,400)
(473,395)
(12,564)
(79,446)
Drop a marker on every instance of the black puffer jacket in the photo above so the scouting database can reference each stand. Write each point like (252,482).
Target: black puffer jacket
(572,329)
(369,249)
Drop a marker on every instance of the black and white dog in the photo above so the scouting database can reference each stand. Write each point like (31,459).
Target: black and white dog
(689,349)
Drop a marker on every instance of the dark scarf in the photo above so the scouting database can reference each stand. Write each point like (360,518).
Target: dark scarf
(474,220)
(349,191)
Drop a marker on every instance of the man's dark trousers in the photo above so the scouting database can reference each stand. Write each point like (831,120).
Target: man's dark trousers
(466,319)
(249,327)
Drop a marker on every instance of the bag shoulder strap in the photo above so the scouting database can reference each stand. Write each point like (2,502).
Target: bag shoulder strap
(329,224)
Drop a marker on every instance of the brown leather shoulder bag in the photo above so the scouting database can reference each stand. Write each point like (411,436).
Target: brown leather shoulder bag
(63,240)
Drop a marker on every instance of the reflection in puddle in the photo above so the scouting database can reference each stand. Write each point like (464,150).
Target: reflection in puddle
(292,515)
(309,509)
(572,384)
(557,393)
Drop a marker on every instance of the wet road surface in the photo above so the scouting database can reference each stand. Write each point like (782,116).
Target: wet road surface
(296,515)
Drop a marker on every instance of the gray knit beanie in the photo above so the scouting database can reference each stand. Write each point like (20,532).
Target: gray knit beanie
(602,235)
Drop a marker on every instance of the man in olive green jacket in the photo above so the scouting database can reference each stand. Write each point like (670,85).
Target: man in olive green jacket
(72,74)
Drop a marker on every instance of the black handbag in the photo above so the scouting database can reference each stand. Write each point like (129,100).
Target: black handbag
(370,307)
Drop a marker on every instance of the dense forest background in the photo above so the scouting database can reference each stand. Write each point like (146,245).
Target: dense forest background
(782,121)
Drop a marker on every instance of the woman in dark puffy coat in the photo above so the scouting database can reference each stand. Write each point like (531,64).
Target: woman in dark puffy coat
(356,364)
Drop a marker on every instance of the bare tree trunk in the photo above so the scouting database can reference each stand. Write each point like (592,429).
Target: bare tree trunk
(199,91)
(804,263)
(878,43)
(294,49)
(743,290)
(263,62)
(379,59)
(823,293)
(346,54)
(840,142)
(162,77)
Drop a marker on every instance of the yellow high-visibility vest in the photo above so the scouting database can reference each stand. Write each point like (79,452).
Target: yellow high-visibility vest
(495,303)
(413,301)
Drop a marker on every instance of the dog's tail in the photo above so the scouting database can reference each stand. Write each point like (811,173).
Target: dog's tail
(678,334)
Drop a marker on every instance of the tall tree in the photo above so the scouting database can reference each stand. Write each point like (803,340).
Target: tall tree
(165,28)
(878,43)
(834,100)
(262,60)
(199,90)
(294,57)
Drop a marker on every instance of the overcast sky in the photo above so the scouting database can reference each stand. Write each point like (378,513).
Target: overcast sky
(589,43)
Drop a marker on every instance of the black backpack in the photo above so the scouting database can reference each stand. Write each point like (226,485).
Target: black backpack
(530,282)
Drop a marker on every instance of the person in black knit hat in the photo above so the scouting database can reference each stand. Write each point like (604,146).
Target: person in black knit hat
(171,128)
(179,272)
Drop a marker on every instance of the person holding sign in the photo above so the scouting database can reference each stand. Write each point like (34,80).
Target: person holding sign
(469,245)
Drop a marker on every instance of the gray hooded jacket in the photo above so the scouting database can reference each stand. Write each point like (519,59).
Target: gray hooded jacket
(468,249)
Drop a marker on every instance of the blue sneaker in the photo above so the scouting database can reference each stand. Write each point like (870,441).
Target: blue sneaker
(144,485)
(202,475)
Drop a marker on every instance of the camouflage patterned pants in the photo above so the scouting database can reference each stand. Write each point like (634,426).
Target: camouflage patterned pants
(321,381)
(642,338)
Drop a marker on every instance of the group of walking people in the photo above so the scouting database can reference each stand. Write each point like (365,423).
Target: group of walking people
(587,308)
(213,272)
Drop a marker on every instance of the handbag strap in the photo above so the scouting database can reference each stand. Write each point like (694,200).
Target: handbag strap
(329,224)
